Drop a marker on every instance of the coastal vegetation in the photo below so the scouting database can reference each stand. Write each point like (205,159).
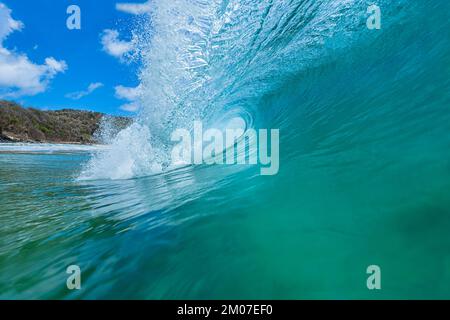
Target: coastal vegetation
(19,124)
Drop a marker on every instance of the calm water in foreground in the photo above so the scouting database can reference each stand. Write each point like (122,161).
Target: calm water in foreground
(221,233)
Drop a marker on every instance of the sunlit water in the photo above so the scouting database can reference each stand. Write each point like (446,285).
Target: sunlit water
(364,170)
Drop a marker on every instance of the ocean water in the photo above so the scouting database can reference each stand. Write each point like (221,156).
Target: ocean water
(364,175)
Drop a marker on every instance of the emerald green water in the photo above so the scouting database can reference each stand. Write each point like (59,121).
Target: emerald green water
(364,174)
(312,237)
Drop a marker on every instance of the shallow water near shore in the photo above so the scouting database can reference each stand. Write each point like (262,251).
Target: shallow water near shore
(30,148)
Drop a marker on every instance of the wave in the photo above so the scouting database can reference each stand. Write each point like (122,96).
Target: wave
(300,66)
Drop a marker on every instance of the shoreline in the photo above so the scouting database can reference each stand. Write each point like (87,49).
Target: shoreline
(5,139)
(3,142)
(48,148)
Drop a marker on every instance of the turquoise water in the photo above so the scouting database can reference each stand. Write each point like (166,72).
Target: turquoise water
(364,165)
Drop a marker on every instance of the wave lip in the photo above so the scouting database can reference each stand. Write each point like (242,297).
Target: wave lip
(211,61)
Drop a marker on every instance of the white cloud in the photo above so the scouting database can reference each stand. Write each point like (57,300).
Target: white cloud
(130,94)
(134,8)
(130,107)
(18,75)
(8,24)
(114,46)
(55,66)
(127,93)
(80,94)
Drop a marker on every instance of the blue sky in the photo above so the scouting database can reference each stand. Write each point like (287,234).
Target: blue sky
(45,65)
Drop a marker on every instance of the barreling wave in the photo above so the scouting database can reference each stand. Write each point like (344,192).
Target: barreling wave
(287,64)
(364,170)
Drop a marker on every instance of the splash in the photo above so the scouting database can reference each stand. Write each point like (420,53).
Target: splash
(213,61)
